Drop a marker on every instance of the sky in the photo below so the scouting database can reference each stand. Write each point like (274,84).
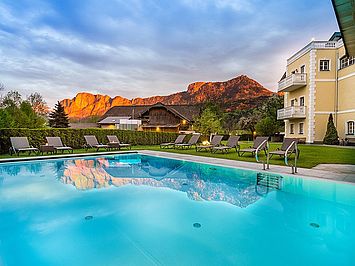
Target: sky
(139,48)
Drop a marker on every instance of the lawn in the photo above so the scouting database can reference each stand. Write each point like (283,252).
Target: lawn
(310,156)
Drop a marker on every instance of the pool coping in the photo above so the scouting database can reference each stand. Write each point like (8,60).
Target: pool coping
(276,169)
(62,156)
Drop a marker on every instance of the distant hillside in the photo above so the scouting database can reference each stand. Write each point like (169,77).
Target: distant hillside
(238,93)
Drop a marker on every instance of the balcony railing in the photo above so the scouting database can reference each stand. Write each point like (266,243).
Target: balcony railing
(291,112)
(293,82)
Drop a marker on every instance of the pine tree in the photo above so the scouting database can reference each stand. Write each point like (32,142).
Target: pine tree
(331,137)
(58,118)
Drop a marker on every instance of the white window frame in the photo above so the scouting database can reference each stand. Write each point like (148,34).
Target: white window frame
(294,101)
(292,126)
(346,61)
(347,127)
(304,100)
(303,65)
(299,128)
(329,64)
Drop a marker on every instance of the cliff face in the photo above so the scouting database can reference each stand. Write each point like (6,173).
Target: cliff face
(238,93)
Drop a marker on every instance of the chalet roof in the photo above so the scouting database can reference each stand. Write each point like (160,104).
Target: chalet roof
(132,111)
(188,112)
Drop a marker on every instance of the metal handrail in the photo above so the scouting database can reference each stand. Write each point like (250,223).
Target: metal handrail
(294,165)
(267,154)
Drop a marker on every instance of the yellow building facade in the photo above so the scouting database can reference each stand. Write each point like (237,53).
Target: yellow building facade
(319,80)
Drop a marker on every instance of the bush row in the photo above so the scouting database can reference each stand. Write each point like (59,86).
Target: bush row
(75,137)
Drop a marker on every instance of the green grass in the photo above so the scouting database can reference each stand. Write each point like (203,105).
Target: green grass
(310,156)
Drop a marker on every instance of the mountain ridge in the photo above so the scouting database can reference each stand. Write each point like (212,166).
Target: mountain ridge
(240,92)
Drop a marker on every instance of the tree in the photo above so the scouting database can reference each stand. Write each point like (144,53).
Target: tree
(230,120)
(58,118)
(262,119)
(12,98)
(6,120)
(267,127)
(331,136)
(38,104)
(28,118)
(269,109)
(16,113)
(248,122)
(208,122)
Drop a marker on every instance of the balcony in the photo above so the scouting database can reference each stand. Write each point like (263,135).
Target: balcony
(291,112)
(293,82)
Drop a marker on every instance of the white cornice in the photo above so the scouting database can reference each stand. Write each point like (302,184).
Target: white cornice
(347,76)
(315,45)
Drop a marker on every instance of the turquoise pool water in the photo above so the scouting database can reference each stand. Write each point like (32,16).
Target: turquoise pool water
(144,210)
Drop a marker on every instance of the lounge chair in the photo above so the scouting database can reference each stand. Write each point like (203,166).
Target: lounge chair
(179,140)
(260,143)
(231,143)
(288,147)
(58,145)
(114,143)
(21,144)
(91,142)
(216,141)
(192,142)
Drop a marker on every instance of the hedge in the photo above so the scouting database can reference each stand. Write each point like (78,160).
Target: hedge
(75,137)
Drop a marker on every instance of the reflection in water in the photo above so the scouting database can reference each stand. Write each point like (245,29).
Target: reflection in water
(11,170)
(198,181)
(15,169)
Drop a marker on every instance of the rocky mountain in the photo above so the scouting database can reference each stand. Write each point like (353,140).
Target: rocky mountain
(238,93)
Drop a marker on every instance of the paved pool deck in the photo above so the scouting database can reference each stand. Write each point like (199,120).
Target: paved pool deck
(335,172)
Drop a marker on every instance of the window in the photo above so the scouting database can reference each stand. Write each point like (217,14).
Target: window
(302,101)
(350,125)
(324,65)
(300,129)
(292,129)
(347,61)
(303,69)
(293,102)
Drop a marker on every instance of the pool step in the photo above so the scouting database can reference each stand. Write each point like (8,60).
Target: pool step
(269,180)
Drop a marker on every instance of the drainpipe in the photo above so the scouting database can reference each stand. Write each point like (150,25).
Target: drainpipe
(336,89)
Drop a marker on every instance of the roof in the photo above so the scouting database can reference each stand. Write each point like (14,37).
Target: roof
(187,112)
(336,36)
(132,111)
(345,14)
(112,119)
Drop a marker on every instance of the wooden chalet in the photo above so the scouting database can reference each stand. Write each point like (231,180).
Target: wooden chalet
(157,117)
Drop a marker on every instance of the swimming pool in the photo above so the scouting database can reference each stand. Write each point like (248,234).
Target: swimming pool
(142,210)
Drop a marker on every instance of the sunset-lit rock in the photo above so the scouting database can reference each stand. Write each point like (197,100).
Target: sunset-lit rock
(238,93)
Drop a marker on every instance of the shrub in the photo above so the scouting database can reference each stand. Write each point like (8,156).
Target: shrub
(331,136)
(75,137)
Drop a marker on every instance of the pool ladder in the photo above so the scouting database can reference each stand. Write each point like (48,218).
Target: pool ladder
(269,180)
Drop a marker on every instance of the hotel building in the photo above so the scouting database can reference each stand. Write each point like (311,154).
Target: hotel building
(319,80)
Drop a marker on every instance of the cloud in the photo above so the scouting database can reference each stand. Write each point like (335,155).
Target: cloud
(142,48)
(235,5)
